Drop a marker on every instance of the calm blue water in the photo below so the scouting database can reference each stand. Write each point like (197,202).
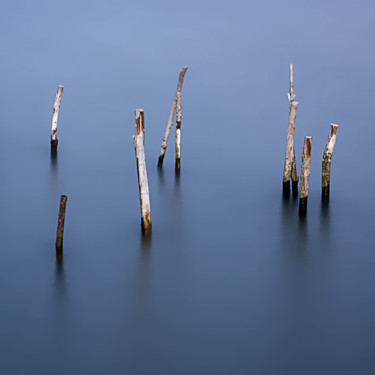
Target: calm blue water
(231,282)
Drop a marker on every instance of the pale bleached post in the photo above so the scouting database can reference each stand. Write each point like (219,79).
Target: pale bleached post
(56,108)
(144,198)
(60,227)
(327,160)
(290,169)
(305,173)
(178,133)
(170,119)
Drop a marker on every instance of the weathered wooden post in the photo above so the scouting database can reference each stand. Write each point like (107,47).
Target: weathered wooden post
(144,198)
(55,116)
(305,173)
(327,160)
(60,227)
(170,119)
(290,169)
(178,133)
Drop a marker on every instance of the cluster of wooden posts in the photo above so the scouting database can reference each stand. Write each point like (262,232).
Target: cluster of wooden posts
(138,141)
(290,169)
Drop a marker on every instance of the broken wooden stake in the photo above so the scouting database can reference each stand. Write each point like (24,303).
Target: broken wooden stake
(327,160)
(144,198)
(290,169)
(178,133)
(55,116)
(305,173)
(170,119)
(60,227)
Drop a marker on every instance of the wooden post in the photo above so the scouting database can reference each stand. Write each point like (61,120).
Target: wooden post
(170,119)
(327,160)
(178,133)
(60,227)
(305,173)
(290,169)
(55,116)
(139,141)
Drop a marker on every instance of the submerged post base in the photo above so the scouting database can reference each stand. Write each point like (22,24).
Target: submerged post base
(295,188)
(146,227)
(178,166)
(160,162)
(303,207)
(54,143)
(325,194)
(286,189)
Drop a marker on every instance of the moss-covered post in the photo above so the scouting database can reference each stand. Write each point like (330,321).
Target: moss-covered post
(178,133)
(56,108)
(290,169)
(327,160)
(144,198)
(60,227)
(305,173)
(170,119)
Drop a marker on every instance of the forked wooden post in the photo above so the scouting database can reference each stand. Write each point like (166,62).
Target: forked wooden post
(55,116)
(144,198)
(60,227)
(305,173)
(170,119)
(178,133)
(290,169)
(327,160)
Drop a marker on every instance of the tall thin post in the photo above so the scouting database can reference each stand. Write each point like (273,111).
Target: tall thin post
(305,173)
(60,227)
(56,108)
(144,198)
(290,169)
(327,160)
(170,119)
(178,133)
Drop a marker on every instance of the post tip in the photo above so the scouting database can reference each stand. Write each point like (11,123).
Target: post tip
(334,125)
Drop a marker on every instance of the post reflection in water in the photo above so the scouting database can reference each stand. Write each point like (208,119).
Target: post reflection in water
(54,171)
(142,308)
(325,225)
(294,239)
(59,278)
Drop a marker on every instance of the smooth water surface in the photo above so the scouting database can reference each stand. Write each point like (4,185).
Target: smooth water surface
(231,281)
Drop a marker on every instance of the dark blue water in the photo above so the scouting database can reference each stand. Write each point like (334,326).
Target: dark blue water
(231,281)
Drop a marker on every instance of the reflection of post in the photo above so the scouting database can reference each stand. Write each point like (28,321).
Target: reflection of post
(305,173)
(139,140)
(55,116)
(327,160)
(170,119)
(178,133)
(290,169)
(60,227)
